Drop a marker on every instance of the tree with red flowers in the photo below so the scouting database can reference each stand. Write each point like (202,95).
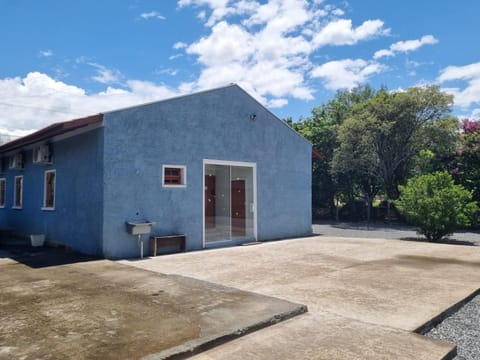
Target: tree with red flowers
(465,166)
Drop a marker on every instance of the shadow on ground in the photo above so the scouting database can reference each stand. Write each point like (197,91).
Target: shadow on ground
(40,257)
(443,241)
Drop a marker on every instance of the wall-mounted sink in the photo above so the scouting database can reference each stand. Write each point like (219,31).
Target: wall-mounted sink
(139,227)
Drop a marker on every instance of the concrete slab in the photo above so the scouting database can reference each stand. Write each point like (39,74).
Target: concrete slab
(365,296)
(104,310)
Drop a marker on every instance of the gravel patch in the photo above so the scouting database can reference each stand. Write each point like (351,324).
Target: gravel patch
(463,329)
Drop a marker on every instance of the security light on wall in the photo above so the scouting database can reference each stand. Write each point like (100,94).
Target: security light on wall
(253,117)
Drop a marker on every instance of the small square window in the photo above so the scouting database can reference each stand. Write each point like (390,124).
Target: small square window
(3,192)
(174,176)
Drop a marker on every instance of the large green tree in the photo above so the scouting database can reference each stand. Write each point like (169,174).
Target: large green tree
(321,129)
(395,124)
(354,165)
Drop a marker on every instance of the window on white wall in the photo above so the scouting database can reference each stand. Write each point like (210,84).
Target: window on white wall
(174,176)
(49,190)
(18,192)
(3,192)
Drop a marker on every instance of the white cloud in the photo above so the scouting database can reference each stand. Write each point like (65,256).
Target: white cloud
(406,46)
(277,103)
(411,45)
(269,62)
(46,53)
(167,71)
(347,73)
(383,53)
(152,15)
(338,12)
(220,9)
(37,100)
(226,43)
(269,46)
(105,75)
(469,73)
(341,32)
(180,45)
(475,114)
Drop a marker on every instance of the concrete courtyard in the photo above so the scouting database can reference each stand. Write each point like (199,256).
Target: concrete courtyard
(366,297)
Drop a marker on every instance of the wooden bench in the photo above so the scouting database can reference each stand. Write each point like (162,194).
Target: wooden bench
(166,240)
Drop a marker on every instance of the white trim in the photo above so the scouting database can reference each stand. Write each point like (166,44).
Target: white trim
(183,169)
(4,192)
(15,193)
(230,163)
(45,207)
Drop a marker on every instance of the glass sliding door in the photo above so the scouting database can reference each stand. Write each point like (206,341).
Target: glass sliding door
(229,212)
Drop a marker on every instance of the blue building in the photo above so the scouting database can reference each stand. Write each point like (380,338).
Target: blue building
(216,166)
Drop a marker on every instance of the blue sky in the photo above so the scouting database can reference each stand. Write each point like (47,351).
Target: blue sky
(64,59)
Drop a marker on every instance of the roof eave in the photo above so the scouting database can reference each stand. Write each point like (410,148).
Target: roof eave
(51,131)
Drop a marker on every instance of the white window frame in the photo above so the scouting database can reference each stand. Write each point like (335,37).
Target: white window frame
(183,172)
(4,180)
(45,207)
(15,193)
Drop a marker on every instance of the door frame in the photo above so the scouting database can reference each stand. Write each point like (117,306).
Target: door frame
(251,165)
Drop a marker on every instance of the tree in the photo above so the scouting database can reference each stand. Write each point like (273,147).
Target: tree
(321,129)
(434,204)
(438,141)
(397,121)
(354,165)
(387,135)
(465,163)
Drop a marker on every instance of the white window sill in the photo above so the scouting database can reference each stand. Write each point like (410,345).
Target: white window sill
(17,207)
(2,207)
(174,186)
(48,209)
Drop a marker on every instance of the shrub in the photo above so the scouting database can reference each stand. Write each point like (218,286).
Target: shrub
(435,205)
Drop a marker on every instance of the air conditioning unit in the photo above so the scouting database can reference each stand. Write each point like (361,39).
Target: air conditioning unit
(16,161)
(42,155)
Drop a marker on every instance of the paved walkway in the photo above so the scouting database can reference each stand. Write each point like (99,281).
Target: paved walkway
(57,305)
(365,296)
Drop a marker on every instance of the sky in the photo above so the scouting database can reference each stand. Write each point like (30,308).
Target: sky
(61,60)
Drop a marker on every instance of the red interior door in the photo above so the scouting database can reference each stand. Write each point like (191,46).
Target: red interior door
(238,208)
(209,201)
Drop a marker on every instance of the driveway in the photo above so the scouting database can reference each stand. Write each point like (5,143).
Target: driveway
(365,296)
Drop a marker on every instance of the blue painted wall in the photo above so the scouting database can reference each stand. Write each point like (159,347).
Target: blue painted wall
(77,218)
(111,175)
(215,125)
